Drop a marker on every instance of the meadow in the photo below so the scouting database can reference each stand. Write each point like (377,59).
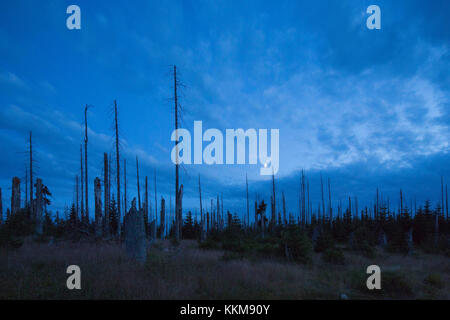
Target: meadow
(37,270)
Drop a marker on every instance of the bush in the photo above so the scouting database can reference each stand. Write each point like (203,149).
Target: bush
(434,280)
(324,242)
(395,284)
(333,255)
(296,245)
(209,244)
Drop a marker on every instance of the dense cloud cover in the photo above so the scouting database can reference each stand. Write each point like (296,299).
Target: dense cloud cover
(365,108)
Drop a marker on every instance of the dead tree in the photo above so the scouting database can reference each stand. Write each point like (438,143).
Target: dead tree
(330,207)
(156,202)
(146,204)
(177,180)
(26,187)
(82,184)
(1,207)
(106,188)
(248,204)
(125,185)
(284,207)
(98,207)
(31,176)
(163,218)
(138,186)
(201,207)
(39,207)
(86,163)
(179,213)
(77,206)
(323,200)
(273,218)
(446,203)
(118,168)
(15,196)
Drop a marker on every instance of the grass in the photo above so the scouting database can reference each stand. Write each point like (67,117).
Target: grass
(38,271)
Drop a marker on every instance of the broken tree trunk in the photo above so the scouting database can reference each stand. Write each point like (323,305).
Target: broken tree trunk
(146,205)
(118,169)
(248,204)
(15,196)
(31,176)
(98,207)
(179,213)
(134,230)
(1,207)
(81,186)
(106,188)
(138,184)
(39,207)
(86,216)
(163,218)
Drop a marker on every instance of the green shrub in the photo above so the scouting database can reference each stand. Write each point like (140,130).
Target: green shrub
(324,242)
(434,280)
(333,255)
(209,244)
(395,284)
(296,245)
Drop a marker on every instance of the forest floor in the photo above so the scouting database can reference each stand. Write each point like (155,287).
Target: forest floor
(38,271)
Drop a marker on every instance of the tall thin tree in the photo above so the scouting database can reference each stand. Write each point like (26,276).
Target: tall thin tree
(248,204)
(86,216)
(118,169)
(138,185)
(31,176)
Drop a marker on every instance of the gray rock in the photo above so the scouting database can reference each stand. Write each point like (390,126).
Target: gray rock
(135,239)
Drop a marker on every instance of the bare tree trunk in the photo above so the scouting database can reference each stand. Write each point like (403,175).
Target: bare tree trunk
(125,203)
(138,185)
(31,177)
(200,194)
(179,214)
(98,207)
(330,210)
(26,189)
(284,208)
(82,184)
(163,217)
(248,204)
(1,207)
(156,202)
(76,196)
(118,170)
(323,201)
(86,164)
(106,187)
(39,206)
(146,204)
(274,218)
(446,203)
(177,191)
(15,195)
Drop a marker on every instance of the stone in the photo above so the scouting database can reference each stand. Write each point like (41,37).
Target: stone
(135,238)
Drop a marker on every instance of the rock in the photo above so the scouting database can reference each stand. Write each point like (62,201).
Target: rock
(135,239)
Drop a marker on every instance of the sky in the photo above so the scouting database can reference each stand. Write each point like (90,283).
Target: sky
(364,108)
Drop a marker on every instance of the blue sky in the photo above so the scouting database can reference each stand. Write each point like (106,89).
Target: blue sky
(366,108)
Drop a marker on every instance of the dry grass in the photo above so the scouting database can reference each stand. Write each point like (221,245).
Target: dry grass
(38,271)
